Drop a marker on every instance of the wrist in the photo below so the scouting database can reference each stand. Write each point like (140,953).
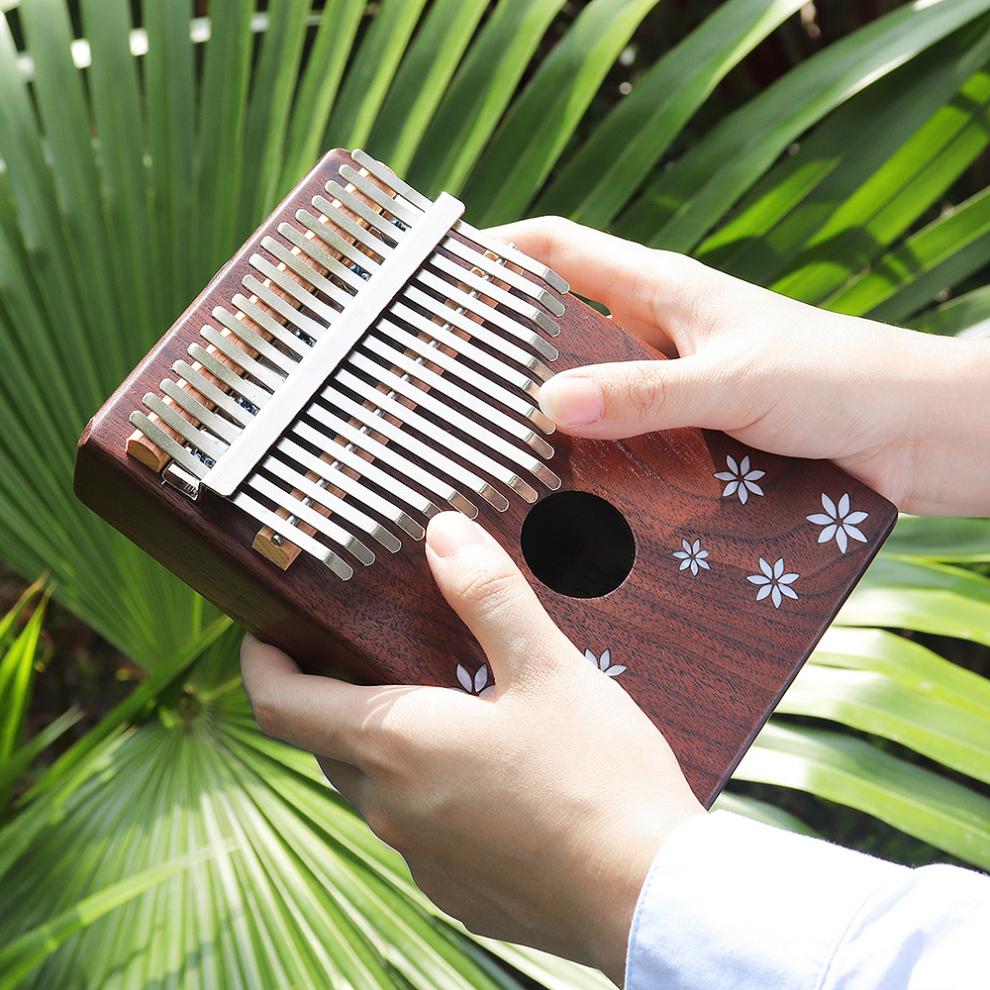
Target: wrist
(612,904)
(947,436)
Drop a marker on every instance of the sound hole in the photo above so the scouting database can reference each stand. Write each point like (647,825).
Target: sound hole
(578,544)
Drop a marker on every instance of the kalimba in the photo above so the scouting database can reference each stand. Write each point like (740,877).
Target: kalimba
(368,359)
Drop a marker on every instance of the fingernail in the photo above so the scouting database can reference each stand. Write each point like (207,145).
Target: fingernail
(451,531)
(572,401)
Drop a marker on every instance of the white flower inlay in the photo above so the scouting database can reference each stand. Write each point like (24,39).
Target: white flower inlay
(604,663)
(741,479)
(774,583)
(838,522)
(480,685)
(692,557)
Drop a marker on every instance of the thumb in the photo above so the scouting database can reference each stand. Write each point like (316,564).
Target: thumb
(486,589)
(611,401)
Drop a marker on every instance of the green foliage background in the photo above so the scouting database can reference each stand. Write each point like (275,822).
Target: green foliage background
(172,844)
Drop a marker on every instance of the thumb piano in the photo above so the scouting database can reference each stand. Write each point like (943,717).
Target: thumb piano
(368,359)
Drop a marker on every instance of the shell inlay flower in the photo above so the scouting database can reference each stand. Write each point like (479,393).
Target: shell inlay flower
(774,582)
(838,522)
(692,557)
(741,479)
(604,663)
(480,685)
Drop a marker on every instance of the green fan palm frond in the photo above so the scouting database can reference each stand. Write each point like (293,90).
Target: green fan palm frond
(20,654)
(296,891)
(135,163)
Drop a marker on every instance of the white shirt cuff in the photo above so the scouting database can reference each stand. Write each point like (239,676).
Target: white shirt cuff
(731,903)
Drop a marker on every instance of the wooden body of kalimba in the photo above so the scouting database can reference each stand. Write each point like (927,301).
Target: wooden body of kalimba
(730,586)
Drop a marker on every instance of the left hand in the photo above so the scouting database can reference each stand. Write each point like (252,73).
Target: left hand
(532,815)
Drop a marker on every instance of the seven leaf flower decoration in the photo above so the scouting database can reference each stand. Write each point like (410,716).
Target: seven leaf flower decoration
(604,663)
(741,479)
(692,557)
(775,583)
(481,684)
(838,522)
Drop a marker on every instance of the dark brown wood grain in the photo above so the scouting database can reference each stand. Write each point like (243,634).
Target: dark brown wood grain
(704,659)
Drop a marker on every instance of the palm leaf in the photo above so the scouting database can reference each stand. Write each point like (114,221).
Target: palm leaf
(961,315)
(537,127)
(479,93)
(16,677)
(683,204)
(939,256)
(840,768)
(28,951)
(863,176)
(595,182)
(302,894)
(128,178)
(18,660)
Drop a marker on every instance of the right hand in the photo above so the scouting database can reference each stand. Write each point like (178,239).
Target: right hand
(902,411)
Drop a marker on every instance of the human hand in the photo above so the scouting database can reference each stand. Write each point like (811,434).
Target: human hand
(900,410)
(532,815)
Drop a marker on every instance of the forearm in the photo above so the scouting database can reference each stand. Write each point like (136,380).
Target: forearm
(949,428)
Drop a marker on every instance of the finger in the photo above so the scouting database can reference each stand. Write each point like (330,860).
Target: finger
(486,589)
(611,401)
(315,713)
(657,295)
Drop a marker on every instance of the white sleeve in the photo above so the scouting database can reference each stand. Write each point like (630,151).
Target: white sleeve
(730,903)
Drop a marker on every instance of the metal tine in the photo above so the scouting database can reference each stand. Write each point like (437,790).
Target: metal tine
(402,440)
(320,523)
(199,438)
(429,302)
(214,422)
(284,362)
(255,394)
(436,306)
(361,235)
(302,268)
(488,288)
(405,212)
(494,317)
(388,230)
(285,529)
(517,403)
(444,439)
(409,215)
(443,385)
(239,356)
(333,474)
(387,454)
(505,274)
(289,312)
(476,330)
(160,438)
(428,400)
(344,509)
(348,457)
(513,255)
(417,199)
(463,347)
(310,246)
(265,320)
(288,284)
(479,433)
(217,396)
